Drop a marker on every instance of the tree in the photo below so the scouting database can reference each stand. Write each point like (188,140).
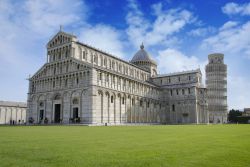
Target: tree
(233,114)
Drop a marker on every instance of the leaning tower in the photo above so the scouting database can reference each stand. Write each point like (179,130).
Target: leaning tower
(216,82)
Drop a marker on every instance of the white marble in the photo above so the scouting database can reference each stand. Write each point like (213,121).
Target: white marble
(80,83)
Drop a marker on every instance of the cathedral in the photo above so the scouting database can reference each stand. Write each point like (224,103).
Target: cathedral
(85,85)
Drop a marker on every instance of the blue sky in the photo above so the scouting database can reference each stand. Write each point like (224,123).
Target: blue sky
(178,34)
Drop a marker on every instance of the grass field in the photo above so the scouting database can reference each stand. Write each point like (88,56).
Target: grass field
(139,146)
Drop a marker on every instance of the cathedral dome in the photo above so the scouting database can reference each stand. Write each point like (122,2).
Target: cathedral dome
(142,56)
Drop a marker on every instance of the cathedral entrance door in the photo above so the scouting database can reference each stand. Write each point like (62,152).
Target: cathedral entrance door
(75,112)
(57,113)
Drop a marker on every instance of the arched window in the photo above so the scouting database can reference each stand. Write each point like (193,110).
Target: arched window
(133,102)
(67,68)
(123,100)
(173,107)
(75,101)
(109,64)
(41,104)
(120,67)
(105,61)
(95,59)
(107,78)
(83,55)
(141,103)
(57,97)
(112,99)
(100,76)
(66,82)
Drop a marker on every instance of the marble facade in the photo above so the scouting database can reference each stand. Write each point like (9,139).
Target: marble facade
(82,84)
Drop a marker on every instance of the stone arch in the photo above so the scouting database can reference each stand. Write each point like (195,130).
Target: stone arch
(32,106)
(84,105)
(57,107)
(84,92)
(57,96)
(75,105)
(100,105)
(100,92)
(41,105)
(133,108)
(106,109)
(128,107)
(119,108)
(41,97)
(112,110)
(118,94)
(113,94)
(107,93)
(76,93)
(33,98)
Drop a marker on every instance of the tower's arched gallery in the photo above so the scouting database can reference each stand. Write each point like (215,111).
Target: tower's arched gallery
(82,84)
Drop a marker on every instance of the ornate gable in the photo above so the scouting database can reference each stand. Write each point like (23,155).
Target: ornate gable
(60,38)
(40,73)
(75,64)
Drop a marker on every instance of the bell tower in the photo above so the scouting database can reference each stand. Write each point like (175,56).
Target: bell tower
(216,83)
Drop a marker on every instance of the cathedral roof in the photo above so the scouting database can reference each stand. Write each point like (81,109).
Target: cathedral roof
(13,104)
(142,55)
(179,73)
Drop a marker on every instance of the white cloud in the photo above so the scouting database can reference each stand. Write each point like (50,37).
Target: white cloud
(238,94)
(104,37)
(228,25)
(233,40)
(158,31)
(25,22)
(24,31)
(230,38)
(26,27)
(171,60)
(46,15)
(201,32)
(234,8)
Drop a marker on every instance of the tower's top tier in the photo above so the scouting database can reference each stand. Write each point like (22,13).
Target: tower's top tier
(216,58)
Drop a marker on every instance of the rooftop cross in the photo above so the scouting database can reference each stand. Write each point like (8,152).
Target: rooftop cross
(61,27)
(142,46)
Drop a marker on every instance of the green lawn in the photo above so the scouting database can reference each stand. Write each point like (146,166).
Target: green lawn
(139,146)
